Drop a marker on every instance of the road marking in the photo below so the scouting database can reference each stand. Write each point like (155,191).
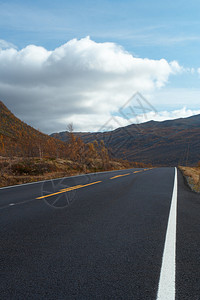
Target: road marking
(71,188)
(137,171)
(15,204)
(166,287)
(68,189)
(120,175)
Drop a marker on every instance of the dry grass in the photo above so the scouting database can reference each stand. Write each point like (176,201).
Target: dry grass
(23,170)
(192,175)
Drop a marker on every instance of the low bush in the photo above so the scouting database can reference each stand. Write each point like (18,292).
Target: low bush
(31,168)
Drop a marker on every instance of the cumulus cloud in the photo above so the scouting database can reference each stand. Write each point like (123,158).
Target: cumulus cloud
(81,81)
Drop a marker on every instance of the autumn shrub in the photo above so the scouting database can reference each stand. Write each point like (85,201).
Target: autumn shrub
(32,168)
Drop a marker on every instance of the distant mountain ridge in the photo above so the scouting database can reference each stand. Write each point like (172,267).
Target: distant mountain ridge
(166,143)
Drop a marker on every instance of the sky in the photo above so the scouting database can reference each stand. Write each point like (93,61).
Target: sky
(82,61)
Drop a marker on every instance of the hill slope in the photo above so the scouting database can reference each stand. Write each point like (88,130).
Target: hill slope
(19,139)
(164,143)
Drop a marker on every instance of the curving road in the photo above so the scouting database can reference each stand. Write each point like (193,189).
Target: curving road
(129,234)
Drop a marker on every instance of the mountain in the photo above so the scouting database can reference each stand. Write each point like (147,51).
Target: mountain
(167,143)
(19,139)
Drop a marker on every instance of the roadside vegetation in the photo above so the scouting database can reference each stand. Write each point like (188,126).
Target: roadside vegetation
(18,170)
(192,175)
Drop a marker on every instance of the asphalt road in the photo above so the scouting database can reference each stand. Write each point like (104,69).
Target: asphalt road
(110,235)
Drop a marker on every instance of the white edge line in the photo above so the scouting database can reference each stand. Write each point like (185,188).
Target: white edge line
(166,287)
(36,182)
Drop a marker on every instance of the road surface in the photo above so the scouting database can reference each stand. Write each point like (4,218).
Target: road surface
(129,234)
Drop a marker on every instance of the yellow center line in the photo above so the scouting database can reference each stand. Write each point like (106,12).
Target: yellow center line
(91,183)
(137,171)
(69,189)
(49,195)
(119,176)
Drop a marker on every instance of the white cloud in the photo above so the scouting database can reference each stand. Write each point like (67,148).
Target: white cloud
(170,115)
(5,45)
(81,81)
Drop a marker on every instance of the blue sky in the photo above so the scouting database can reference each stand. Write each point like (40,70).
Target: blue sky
(146,29)
(153,29)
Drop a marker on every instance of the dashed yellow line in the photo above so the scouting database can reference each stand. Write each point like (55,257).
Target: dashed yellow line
(69,189)
(85,185)
(91,183)
(120,175)
(49,195)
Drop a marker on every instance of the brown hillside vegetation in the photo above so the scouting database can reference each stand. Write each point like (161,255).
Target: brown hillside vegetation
(19,139)
(18,170)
